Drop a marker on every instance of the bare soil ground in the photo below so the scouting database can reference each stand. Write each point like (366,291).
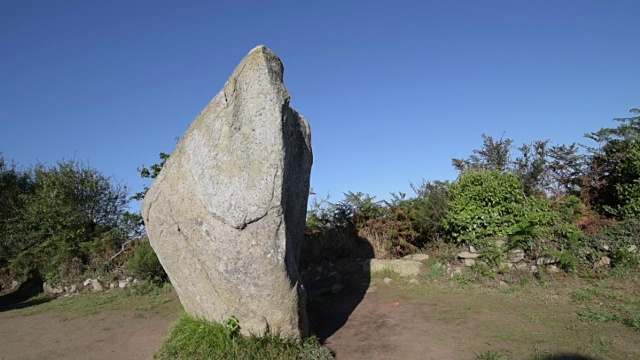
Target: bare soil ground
(88,326)
(441,319)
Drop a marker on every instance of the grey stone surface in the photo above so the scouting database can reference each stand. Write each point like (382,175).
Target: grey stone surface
(402,267)
(417,257)
(547,260)
(226,214)
(515,255)
(468,255)
(469,262)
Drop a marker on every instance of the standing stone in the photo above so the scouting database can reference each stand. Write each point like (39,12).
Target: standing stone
(226,214)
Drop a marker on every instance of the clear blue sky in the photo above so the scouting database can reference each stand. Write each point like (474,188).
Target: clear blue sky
(393,90)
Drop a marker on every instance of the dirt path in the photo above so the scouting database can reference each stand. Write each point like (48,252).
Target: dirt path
(388,321)
(49,331)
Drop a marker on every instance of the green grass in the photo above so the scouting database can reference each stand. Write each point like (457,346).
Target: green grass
(581,296)
(385,273)
(435,270)
(82,305)
(596,315)
(632,321)
(599,346)
(199,340)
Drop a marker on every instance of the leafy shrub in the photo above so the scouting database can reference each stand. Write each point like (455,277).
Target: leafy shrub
(67,209)
(144,263)
(489,204)
(417,220)
(614,171)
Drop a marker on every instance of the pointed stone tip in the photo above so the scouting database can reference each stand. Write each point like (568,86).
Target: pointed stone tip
(261,49)
(261,57)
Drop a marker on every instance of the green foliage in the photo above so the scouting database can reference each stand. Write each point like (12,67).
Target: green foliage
(490,204)
(198,340)
(494,155)
(144,263)
(150,173)
(331,233)
(566,170)
(581,296)
(232,327)
(70,212)
(360,226)
(632,321)
(418,220)
(531,167)
(614,169)
(597,314)
(15,184)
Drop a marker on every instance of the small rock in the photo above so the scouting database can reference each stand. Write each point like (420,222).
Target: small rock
(469,262)
(632,249)
(472,249)
(454,271)
(336,288)
(534,269)
(547,261)
(387,281)
(515,255)
(606,247)
(87,282)
(112,285)
(414,282)
(122,284)
(417,257)
(603,262)
(500,243)
(468,255)
(520,266)
(51,289)
(553,269)
(95,285)
(14,284)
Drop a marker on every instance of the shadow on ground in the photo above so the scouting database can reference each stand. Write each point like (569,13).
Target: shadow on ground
(335,287)
(328,311)
(22,297)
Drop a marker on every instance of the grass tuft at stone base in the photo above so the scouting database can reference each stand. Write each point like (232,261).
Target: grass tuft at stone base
(194,339)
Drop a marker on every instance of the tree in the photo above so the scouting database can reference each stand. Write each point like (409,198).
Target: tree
(532,167)
(566,168)
(72,212)
(150,173)
(613,177)
(14,185)
(493,155)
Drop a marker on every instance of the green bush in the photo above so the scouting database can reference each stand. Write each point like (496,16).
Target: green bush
(144,264)
(485,204)
(53,225)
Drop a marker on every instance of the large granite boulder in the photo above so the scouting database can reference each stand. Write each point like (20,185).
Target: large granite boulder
(226,214)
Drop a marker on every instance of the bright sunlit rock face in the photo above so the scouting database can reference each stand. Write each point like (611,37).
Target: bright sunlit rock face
(226,215)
